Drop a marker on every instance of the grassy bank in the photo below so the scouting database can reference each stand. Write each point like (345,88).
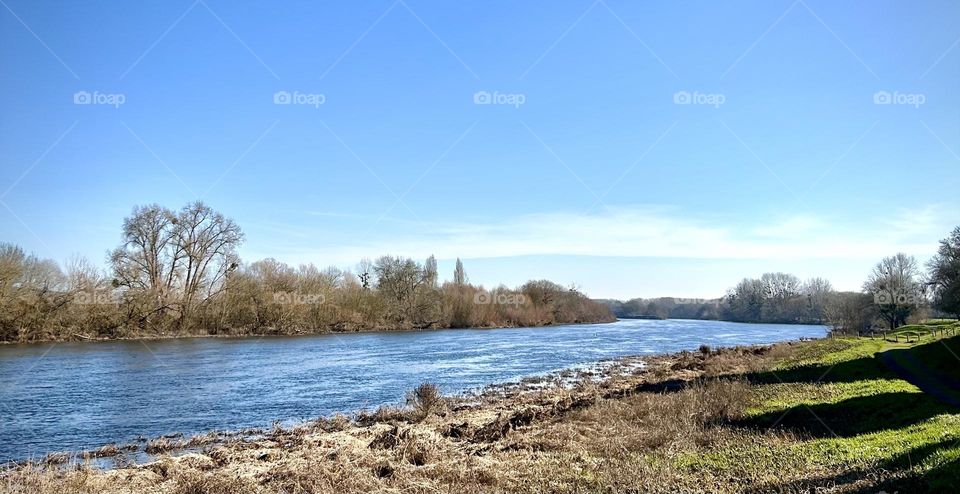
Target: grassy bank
(840,414)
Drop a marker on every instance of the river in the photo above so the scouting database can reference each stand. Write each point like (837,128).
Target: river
(74,396)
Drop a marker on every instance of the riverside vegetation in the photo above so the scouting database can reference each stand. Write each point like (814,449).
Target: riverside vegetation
(896,292)
(177,273)
(842,414)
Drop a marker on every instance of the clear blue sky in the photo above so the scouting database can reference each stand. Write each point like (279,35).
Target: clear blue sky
(598,178)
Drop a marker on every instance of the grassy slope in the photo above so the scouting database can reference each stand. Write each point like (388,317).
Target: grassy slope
(849,415)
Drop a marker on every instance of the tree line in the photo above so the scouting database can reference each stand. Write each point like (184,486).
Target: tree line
(177,272)
(772,298)
(897,291)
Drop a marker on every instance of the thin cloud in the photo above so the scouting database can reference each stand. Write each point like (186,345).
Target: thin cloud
(642,232)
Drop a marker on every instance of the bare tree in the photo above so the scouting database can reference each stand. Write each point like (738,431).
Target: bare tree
(895,289)
(849,313)
(781,286)
(542,292)
(364,273)
(398,280)
(209,244)
(178,258)
(818,292)
(82,275)
(148,257)
(32,294)
(746,301)
(945,274)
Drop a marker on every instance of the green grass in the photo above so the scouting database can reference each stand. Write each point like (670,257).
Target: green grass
(940,322)
(928,330)
(831,351)
(775,398)
(843,413)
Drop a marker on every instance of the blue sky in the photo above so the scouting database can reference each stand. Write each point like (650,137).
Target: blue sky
(635,149)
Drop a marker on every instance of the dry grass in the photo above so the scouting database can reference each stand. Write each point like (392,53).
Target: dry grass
(656,430)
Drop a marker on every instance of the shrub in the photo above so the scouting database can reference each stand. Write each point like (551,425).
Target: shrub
(425,399)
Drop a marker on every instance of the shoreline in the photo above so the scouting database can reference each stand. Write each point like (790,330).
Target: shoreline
(338,333)
(282,335)
(673,368)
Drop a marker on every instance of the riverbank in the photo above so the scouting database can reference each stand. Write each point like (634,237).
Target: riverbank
(789,417)
(327,331)
(77,337)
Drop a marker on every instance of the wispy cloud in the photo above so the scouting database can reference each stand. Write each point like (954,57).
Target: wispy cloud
(792,227)
(915,222)
(640,232)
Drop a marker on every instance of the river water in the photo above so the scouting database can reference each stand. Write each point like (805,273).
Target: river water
(74,396)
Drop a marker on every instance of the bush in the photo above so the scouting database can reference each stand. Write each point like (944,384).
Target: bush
(425,399)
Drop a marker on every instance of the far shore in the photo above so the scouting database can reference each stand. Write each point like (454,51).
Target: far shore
(159,337)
